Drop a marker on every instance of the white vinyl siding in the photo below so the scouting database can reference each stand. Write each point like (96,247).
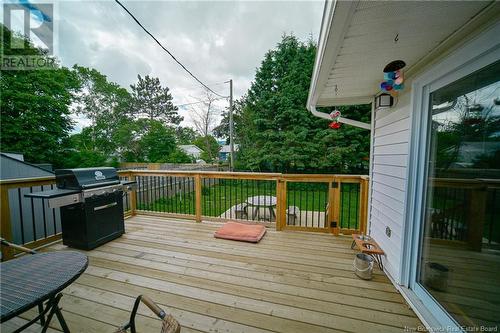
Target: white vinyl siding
(388,183)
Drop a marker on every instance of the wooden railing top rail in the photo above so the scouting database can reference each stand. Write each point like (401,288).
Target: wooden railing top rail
(465,183)
(243,175)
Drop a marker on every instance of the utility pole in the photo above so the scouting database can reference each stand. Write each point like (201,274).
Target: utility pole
(231,127)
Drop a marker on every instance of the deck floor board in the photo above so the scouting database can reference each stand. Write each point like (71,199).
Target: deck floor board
(290,282)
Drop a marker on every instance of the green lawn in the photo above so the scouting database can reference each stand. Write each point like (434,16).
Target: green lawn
(218,198)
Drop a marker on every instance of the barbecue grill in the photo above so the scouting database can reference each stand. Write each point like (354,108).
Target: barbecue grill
(91,204)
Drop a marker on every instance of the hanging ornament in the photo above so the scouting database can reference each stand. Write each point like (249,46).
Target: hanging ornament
(334,125)
(393,77)
(335,115)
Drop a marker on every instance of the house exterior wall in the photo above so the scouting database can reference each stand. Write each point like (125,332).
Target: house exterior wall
(388,182)
(392,131)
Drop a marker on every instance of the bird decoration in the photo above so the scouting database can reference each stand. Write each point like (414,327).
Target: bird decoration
(335,115)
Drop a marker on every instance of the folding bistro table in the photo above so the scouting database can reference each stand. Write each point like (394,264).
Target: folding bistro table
(37,280)
(264,201)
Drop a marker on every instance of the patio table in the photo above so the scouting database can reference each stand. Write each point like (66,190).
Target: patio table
(265,201)
(33,280)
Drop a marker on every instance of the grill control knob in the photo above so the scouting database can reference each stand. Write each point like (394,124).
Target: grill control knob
(128,188)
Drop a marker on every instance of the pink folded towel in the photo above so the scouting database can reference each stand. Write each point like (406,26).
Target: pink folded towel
(241,232)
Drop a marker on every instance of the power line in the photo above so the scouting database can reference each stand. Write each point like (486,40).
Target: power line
(169,53)
(205,101)
(208,84)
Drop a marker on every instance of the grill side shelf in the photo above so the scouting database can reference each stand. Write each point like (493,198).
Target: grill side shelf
(58,197)
(49,194)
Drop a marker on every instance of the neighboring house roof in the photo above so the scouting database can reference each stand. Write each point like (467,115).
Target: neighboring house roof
(227,148)
(190,149)
(12,168)
(358,38)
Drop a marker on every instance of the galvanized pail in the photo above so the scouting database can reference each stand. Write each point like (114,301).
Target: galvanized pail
(363,266)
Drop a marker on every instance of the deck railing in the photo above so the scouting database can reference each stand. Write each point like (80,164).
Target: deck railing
(322,203)
(466,211)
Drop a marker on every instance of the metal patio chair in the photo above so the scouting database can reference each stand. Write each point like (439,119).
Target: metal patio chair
(169,324)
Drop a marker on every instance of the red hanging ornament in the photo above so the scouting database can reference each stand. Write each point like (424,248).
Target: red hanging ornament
(334,125)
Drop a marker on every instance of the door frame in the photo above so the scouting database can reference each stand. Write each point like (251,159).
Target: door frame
(473,56)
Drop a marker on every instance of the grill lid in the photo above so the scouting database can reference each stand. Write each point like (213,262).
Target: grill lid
(84,178)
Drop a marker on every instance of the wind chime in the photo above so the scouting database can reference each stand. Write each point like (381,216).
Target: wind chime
(393,77)
(393,73)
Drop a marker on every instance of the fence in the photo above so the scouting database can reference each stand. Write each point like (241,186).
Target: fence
(323,203)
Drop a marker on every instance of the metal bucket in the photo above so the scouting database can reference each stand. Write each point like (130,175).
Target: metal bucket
(436,276)
(363,266)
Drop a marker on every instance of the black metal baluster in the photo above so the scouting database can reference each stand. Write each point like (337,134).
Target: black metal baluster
(325,204)
(355,205)
(21,214)
(157,194)
(222,205)
(141,191)
(183,193)
(306,194)
(453,218)
(44,217)
(33,216)
(231,185)
(492,216)
(313,207)
(289,189)
(163,200)
(158,200)
(53,214)
(177,203)
(244,201)
(349,196)
(444,229)
(318,187)
(171,194)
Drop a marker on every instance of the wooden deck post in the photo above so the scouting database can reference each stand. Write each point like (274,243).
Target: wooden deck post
(133,197)
(5,227)
(334,206)
(280,204)
(363,207)
(197,189)
(476,217)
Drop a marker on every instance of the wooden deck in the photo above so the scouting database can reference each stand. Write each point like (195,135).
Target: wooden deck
(289,282)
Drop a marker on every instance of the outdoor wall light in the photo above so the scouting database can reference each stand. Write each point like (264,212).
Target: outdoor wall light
(384,101)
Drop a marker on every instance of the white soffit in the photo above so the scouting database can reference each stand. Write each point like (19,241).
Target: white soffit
(358,39)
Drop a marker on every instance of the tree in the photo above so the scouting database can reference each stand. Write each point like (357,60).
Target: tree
(35,108)
(210,147)
(105,104)
(277,133)
(185,135)
(151,100)
(222,130)
(204,118)
(158,142)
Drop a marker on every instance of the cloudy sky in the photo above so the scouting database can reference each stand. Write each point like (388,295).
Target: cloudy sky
(215,40)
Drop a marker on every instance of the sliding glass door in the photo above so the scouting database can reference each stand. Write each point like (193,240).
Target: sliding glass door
(458,266)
